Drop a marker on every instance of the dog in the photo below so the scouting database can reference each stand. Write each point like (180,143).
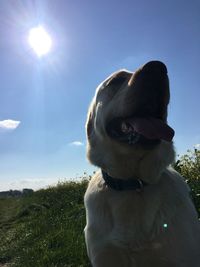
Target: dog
(138,209)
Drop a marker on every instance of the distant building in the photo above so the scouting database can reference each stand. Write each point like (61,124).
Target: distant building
(27,191)
(16,193)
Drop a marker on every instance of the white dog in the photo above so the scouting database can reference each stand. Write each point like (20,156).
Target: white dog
(139,211)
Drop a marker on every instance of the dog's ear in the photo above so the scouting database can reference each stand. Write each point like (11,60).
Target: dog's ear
(89,123)
(90,118)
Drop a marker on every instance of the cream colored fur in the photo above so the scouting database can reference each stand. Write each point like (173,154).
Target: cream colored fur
(157,227)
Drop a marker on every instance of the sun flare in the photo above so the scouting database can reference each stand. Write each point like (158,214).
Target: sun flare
(40,41)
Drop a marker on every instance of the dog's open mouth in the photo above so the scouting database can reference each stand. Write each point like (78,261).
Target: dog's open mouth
(145,130)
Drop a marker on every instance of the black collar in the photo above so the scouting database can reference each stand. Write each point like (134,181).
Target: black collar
(122,184)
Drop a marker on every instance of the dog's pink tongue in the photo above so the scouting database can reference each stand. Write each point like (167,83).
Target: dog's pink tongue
(152,128)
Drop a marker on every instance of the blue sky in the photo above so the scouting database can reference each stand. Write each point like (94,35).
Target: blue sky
(47,98)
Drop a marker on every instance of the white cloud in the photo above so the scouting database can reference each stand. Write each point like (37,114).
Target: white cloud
(9,124)
(76,143)
(34,184)
(197,146)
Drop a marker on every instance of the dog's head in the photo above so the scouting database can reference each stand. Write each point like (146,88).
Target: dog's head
(127,127)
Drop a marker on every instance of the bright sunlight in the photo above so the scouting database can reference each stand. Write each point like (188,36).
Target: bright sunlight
(40,41)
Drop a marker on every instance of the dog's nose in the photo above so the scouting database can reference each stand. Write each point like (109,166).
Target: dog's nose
(155,67)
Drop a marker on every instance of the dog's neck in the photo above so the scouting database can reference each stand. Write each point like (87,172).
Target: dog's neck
(123,184)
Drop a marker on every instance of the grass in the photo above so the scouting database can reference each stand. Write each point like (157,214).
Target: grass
(44,228)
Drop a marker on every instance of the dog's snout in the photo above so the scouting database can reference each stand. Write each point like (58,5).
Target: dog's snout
(155,67)
(153,71)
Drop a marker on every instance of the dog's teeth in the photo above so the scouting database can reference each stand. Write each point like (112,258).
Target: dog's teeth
(126,128)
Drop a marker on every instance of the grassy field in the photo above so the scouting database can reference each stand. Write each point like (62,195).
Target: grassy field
(44,228)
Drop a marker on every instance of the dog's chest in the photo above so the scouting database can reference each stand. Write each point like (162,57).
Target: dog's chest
(122,217)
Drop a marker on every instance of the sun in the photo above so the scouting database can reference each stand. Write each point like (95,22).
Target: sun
(40,41)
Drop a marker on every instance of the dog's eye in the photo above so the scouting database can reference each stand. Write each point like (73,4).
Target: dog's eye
(116,81)
(111,86)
